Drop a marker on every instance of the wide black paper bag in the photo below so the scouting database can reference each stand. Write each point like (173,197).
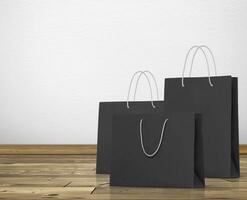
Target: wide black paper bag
(108,109)
(178,161)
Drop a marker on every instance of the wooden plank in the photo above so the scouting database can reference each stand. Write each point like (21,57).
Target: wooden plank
(27,193)
(27,177)
(63,149)
(48,149)
(243,149)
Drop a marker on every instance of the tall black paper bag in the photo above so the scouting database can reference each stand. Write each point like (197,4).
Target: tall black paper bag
(218,104)
(106,112)
(177,159)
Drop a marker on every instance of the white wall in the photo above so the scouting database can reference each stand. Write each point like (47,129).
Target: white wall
(59,58)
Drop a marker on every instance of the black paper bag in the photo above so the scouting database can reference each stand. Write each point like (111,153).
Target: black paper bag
(108,109)
(177,159)
(106,112)
(218,104)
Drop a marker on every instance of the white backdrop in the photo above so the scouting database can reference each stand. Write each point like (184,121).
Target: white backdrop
(59,58)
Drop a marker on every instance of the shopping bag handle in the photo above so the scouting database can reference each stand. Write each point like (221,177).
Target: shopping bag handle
(212,56)
(150,87)
(206,58)
(160,141)
(154,80)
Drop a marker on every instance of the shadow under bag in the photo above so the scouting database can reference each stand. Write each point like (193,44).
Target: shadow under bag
(157,150)
(216,98)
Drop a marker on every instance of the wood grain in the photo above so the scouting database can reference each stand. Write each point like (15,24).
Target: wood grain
(243,149)
(27,177)
(62,149)
(48,149)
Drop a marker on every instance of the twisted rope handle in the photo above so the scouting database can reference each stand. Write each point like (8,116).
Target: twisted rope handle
(150,87)
(154,80)
(206,58)
(160,141)
(212,56)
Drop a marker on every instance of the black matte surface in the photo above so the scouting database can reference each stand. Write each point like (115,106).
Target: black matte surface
(106,112)
(219,108)
(177,163)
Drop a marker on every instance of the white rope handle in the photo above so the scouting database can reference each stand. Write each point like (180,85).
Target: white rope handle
(154,80)
(212,56)
(130,86)
(186,59)
(160,141)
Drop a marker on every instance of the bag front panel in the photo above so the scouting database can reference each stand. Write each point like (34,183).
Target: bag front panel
(214,103)
(172,166)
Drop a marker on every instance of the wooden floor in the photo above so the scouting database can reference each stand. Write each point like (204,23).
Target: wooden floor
(73,177)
